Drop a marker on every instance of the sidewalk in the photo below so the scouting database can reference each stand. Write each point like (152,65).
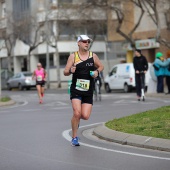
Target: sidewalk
(130,139)
(159,95)
(9,103)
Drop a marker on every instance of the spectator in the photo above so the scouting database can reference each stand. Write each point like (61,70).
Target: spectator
(159,68)
(141,66)
(167,72)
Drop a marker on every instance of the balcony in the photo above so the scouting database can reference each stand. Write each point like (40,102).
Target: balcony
(3,23)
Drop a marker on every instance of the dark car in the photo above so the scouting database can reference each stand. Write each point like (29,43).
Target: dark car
(21,80)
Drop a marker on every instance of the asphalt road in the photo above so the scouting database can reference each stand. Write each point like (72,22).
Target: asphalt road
(35,137)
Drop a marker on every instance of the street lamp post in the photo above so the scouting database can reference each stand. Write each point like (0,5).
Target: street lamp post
(47,59)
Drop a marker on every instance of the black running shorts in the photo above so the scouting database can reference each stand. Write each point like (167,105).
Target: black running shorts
(41,83)
(83,98)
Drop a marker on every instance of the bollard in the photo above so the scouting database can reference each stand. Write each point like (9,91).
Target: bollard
(69,85)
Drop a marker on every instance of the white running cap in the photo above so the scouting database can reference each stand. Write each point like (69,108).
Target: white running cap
(83,37)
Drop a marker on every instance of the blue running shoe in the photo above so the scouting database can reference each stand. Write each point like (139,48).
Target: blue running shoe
(75,141)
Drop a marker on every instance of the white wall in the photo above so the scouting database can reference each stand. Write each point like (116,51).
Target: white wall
(146,22)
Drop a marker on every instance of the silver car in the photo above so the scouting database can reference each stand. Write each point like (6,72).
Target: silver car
(21,80)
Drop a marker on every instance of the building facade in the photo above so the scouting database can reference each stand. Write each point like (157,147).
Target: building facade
(145,33)
(60,23)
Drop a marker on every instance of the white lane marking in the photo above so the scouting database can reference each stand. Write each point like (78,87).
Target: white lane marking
(119,101)
(57,108)
(29,110)
(62,103)
(58,103)
(66,135)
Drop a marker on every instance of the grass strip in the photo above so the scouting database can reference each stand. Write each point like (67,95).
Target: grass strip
(5,99)
(153,123)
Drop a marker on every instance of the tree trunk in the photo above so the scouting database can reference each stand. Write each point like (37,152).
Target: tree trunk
(9,63)
(28,61)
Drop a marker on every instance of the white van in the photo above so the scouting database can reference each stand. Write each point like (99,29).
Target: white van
(122,76)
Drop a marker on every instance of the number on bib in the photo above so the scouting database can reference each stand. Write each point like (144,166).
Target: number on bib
(82,84)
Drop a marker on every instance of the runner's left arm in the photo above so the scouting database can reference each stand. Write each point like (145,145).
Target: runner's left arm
(98,65)
(45,74)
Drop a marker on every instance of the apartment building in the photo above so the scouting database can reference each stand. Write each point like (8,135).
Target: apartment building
(66,30)
(62,19)
(145,33)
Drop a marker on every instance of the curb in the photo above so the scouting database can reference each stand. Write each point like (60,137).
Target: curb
(161,95)
(9,103)
(105,133)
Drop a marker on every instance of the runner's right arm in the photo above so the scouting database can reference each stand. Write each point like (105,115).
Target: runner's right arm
(70,68)
(33,75)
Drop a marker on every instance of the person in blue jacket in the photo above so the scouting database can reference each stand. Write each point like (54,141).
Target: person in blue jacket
(159,65)
(167,72)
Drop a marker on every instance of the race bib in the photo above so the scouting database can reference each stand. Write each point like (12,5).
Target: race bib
(82,84)
(39,78)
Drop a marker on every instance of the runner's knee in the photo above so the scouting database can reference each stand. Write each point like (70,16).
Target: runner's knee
(85,116)
(77,114)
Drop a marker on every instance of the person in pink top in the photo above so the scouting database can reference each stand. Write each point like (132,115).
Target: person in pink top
(40,75)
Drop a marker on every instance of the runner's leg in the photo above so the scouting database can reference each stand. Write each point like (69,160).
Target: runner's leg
(86,111)
(42,91)
(76,105)
(39,91)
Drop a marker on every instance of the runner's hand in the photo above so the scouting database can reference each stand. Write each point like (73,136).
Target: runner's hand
(95,74)
(73,69)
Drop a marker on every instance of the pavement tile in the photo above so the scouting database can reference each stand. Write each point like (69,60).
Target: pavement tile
(136,140)
(110,135)
(160,144)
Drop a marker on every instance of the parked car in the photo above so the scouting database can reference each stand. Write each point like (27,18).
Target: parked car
(122,76)
(21,80)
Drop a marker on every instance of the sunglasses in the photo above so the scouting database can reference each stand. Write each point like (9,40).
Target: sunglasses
(86,41)
(38,66)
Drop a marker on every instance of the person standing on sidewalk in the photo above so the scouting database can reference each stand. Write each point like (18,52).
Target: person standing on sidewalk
(159,69)
(167,71)
(40,75)
(141,66)
(79,64)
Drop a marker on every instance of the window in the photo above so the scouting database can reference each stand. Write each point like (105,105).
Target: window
(114,70)
(63,58)
(18,75)
(20,7)
(100,55)
(42,60)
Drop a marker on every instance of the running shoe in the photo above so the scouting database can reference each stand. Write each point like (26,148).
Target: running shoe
(75,141)
(41,101)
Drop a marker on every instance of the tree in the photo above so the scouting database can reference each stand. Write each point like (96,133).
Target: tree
(122,23)
(28,30)
(158,7)
(122,19)
(7,35)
